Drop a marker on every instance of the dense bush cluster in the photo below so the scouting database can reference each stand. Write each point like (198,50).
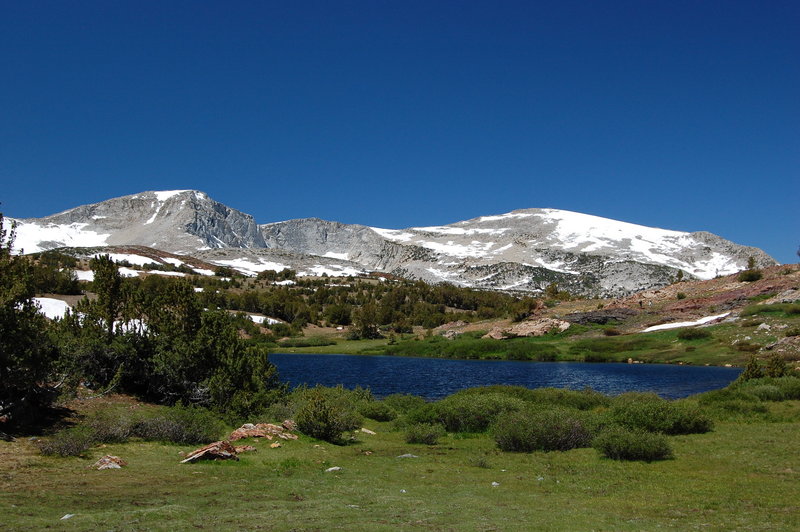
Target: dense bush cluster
(545,429)
(327,416)
(691,333)
(649,412)
(424,433)
(620,443)
(473,412)
(178,424)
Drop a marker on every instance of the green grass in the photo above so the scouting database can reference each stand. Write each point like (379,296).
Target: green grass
(728,343)
(741,476)
(341,347)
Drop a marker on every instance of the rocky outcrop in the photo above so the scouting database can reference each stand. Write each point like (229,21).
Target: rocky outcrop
(600,317)
(536,327)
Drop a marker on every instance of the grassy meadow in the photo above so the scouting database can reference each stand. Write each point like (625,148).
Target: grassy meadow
(744,474)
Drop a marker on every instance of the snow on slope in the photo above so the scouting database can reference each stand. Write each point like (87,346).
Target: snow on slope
(520,236)
(32,238)
(678,324)
(52,308)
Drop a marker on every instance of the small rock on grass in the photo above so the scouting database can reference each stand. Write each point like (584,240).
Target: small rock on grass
(408,455)
(333,469)
(109,462)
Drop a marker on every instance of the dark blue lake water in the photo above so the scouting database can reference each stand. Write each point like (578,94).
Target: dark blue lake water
(434,378)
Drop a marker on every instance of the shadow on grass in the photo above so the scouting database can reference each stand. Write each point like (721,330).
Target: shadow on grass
(42,421)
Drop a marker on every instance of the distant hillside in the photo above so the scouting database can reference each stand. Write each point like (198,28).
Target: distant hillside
(520,251)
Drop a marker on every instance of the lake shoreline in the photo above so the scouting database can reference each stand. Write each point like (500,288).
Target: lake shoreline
(434,378)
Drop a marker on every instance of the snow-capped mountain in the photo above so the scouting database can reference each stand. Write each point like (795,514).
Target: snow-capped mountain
(523,250)
(179,221)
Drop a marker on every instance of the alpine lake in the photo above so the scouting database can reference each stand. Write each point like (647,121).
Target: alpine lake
(434,378)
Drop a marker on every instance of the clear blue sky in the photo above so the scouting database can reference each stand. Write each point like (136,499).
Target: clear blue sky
(681,115)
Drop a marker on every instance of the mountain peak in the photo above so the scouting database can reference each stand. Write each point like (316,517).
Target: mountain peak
(522,250)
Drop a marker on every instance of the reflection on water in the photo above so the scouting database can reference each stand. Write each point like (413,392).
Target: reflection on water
(434,378)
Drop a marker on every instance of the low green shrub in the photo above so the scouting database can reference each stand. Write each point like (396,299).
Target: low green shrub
(620,443)
(731,393)
(793,331)
(693,334)
(424,433)
(309,341)
(179,424)
(278,412)
(649,412)
(551,429)
(404,403)
(73,441)
(377,410)
(585,399)
(789,386)
(473,412)
(320,417)
(747,347)
(425,413)
(110,426)
(749,276)
(776,366)
(787,309)
(767,392)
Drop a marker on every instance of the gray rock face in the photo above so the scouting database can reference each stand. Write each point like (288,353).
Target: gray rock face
(524,250)
(180,221)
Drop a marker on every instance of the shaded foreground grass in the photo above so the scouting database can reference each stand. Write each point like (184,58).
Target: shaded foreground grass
(741,476)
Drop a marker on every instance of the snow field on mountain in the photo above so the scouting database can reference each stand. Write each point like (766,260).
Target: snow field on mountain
(31,236)
(138,260)
(250,266)
(678,324)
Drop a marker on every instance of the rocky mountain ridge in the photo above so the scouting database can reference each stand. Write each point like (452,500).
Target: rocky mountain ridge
(524,250)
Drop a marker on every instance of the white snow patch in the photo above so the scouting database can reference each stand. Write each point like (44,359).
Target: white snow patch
(52,308)
(334,255)
(164,195)
(169,274)
(450,230)
(556,266)
(31,236)
(128,272)
(444,275)
(474,249)
(505,216)
(285,282)
(263,319)
(198,288)
(332,270)
(251,266)
(133,259)
(174,262)
(393,234)
(84,275)
(203,271)
(678,324)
